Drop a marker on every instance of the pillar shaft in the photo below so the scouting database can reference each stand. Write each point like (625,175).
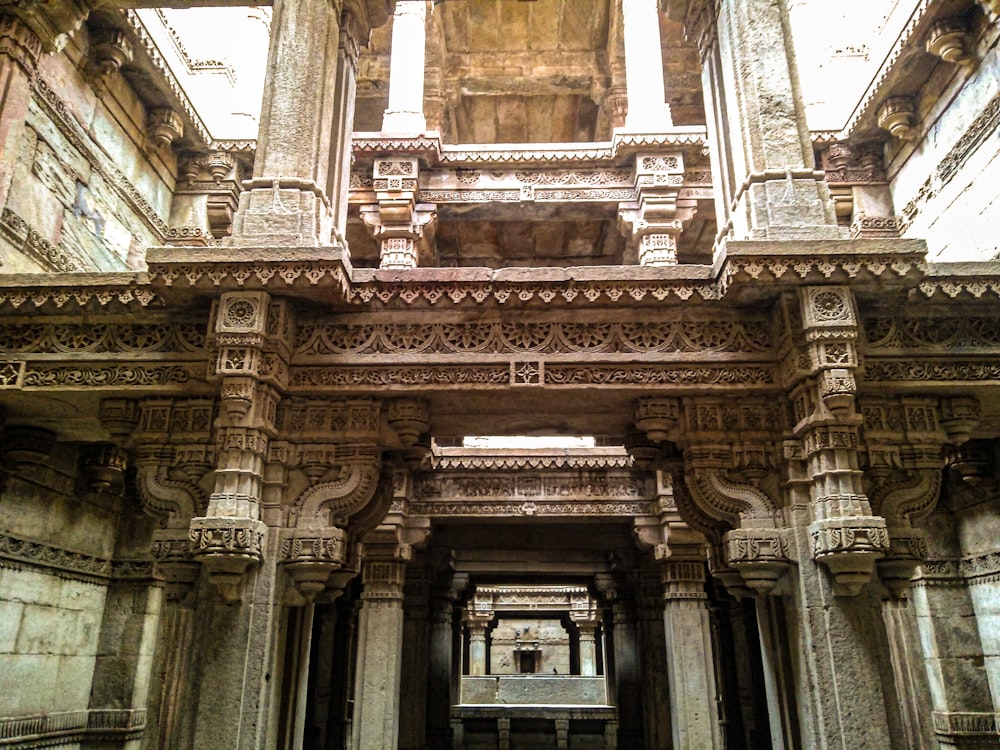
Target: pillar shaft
(405,113)
(439,676)
(339,172)
(628,684)
(759,130)
(236,671)
(647,110)
(477,650)
(380,656)
(588,650)
(286,202)
(693,693)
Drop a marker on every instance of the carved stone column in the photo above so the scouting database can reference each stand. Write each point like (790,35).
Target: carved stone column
(693,693)
(690,659)
(837,535)
(763,161)
(442,646)
(416,636)
(625,660)
(380,643)
(477,622)
(405,113)
(647,110)
(287,200)
(339,173)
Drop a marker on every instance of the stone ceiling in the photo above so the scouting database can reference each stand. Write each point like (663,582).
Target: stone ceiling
(524,71)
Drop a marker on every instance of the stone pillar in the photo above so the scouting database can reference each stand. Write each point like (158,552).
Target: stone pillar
(588,649)
(647,110)
(477,648)
(338,185)
(693,693)
(626,675)
(301,132)
(405,113)
(416,633)
(380,649)
(757,121)
(439,674)
(20,50)
(845,683)
(652,644)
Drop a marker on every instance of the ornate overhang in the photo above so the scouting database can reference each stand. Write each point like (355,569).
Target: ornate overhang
(544,338)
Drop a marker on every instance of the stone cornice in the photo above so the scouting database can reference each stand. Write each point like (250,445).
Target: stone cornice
(429,148)
(466,460)
(743,268)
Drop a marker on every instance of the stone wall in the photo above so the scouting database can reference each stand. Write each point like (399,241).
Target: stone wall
(938,181)
(77,621)
(89,191)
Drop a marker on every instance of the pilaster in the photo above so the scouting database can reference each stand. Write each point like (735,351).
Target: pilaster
(20,50)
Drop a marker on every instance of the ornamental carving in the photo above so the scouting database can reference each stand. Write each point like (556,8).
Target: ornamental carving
(893,334)
(106,376)
(44,337)
(314,339)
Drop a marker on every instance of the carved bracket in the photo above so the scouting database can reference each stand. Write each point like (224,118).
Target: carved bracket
(310,556)
(762,556)
(228,547)
(849,547)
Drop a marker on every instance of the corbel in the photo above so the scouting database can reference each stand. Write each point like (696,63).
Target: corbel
(103,467)
(175,500)
(164,127)
(903,443)
(949,39)
(757,546)
(110,50)
(898,116)
(323,519)
(409,418)
(654,221)
(26,448)
(725,465)
(51,23)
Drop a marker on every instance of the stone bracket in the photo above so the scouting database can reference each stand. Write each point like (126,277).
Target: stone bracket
(228,547)
(762,556)
(310,556)
(849,547)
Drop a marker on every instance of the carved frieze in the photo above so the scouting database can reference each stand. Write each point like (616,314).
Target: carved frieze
(319,339)
(112,335)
